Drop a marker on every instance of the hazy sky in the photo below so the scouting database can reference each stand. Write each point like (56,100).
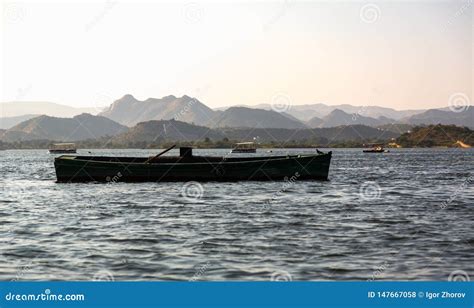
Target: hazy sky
(399,54)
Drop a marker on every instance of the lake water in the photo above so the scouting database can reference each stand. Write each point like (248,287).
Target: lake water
(404,215)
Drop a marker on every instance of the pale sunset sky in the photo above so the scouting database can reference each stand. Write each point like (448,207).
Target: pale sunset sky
(398,54)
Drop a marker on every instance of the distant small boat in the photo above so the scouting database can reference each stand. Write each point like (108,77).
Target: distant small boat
(375,148)
(245,147)
(187,167)
(62,148)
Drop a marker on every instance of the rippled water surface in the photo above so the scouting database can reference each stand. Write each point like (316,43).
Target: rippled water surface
(402,215)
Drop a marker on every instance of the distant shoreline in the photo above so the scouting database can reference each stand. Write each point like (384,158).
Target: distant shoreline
(432,136)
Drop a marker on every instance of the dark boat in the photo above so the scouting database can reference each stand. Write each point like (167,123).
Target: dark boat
(245,147)
(187,167)
(63,148)
(375,148)
(374,151)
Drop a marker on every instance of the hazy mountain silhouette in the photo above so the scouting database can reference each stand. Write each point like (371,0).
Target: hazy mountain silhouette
(6,123)
(81,127)
(338,117)
(436,116)
(315,122)
(129,111)
(15,109)
(309,111)
(255,118)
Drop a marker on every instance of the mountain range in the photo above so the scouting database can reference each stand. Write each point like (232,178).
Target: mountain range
(436,116)
(338,117)
(9,122)
(13,113)
(129,111)
(80,127)
(254,118)
(15,109)
(90,127)
(309,111)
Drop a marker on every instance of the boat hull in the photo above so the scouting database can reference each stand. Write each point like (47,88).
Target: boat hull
(244,151)
(62,151)
(83,169)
